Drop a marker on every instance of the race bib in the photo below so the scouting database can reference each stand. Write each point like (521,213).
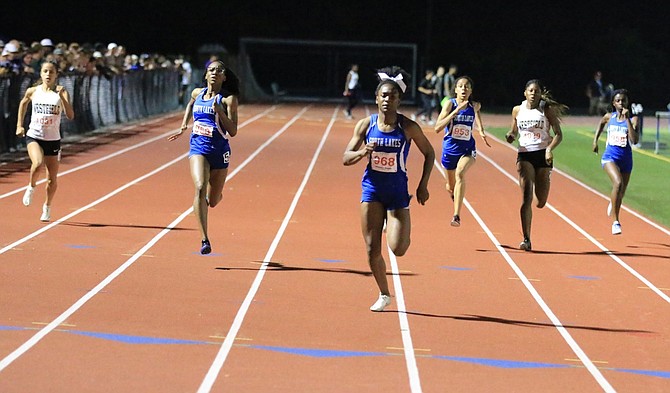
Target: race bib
(617,139)
(202,129)
(384,162)
(461,131)
(527,138)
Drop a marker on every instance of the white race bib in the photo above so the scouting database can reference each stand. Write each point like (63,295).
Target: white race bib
(202,129)
(617,139)
(529,138)
(384,162)
(461,131)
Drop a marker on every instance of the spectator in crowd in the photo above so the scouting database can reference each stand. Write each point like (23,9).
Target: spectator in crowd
(427,95)
(450,83)
(186,74)
(27,63)
(352,90)
(438,81)
(11,62)
(47,47)
(595,91)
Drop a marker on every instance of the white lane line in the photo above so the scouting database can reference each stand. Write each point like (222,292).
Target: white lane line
(4,363)
(226,346)
(579,229)
(538,299)
(122,151)
(408,346)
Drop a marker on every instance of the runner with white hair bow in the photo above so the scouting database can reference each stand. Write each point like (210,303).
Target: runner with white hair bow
(397,79)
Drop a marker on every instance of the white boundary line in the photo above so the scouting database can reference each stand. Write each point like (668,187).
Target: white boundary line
(408,346)
(124,150)
(538,299)
(226,346)
(4,363)
(579,229)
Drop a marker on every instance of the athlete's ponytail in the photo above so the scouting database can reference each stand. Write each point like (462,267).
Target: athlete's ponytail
(559,109)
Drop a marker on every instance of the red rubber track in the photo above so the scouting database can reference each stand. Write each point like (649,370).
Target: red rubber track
(288,285)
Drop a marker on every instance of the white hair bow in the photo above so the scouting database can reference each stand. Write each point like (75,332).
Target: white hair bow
(397,79)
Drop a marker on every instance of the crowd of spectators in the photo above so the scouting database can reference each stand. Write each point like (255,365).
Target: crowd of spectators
(106,59)
(20,58)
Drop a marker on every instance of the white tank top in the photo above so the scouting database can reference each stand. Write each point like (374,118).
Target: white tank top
(533,128)
(353,81)
(46,115)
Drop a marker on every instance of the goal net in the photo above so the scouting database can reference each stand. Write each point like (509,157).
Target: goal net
(311,70)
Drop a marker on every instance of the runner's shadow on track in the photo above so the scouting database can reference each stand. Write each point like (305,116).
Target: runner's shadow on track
(100,225)
(484,318)
(550,252)
(276,266)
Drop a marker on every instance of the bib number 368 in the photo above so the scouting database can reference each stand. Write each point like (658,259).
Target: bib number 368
(384,162)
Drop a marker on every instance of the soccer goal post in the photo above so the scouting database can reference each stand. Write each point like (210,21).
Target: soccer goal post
(313,70)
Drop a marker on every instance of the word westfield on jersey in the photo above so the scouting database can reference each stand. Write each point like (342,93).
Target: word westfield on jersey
(46,109)
(528,124)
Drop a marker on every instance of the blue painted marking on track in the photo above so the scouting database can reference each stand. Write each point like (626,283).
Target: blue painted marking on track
(211,254)
(330,260)
(457,268)
(134,339)
(318,353)
(651,373)
(79,246)
(12,328)
(501,363)
(588,278)
(328,353)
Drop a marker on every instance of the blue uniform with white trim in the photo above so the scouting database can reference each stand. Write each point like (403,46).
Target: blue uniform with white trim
(385,177)
(618,149)
(208,137)
(458,139)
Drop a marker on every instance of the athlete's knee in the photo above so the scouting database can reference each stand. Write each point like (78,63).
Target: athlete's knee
(400,248)
(215,200)
(37,162)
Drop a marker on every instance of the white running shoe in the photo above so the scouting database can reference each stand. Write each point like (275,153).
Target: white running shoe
(381,303)
(28,196)
(609,209)
(616,228)
(46,213)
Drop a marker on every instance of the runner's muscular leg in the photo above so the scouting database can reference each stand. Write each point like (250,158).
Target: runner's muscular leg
(372,223)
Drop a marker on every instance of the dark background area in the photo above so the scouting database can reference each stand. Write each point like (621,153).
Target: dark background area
(500,45)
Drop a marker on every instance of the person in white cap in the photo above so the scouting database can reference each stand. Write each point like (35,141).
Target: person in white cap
(43,137)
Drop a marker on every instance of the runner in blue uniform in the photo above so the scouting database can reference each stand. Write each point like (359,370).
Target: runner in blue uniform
(458,119)
(384,139)
(214,111)
(617,160)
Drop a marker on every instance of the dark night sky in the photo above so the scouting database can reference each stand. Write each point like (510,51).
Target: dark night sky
(501,46)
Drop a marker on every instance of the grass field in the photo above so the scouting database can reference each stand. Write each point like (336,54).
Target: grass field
(649,188)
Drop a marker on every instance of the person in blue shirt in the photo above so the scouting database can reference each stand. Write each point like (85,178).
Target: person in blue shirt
(214,112)
(459,118)
(383,141)
(617,160)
